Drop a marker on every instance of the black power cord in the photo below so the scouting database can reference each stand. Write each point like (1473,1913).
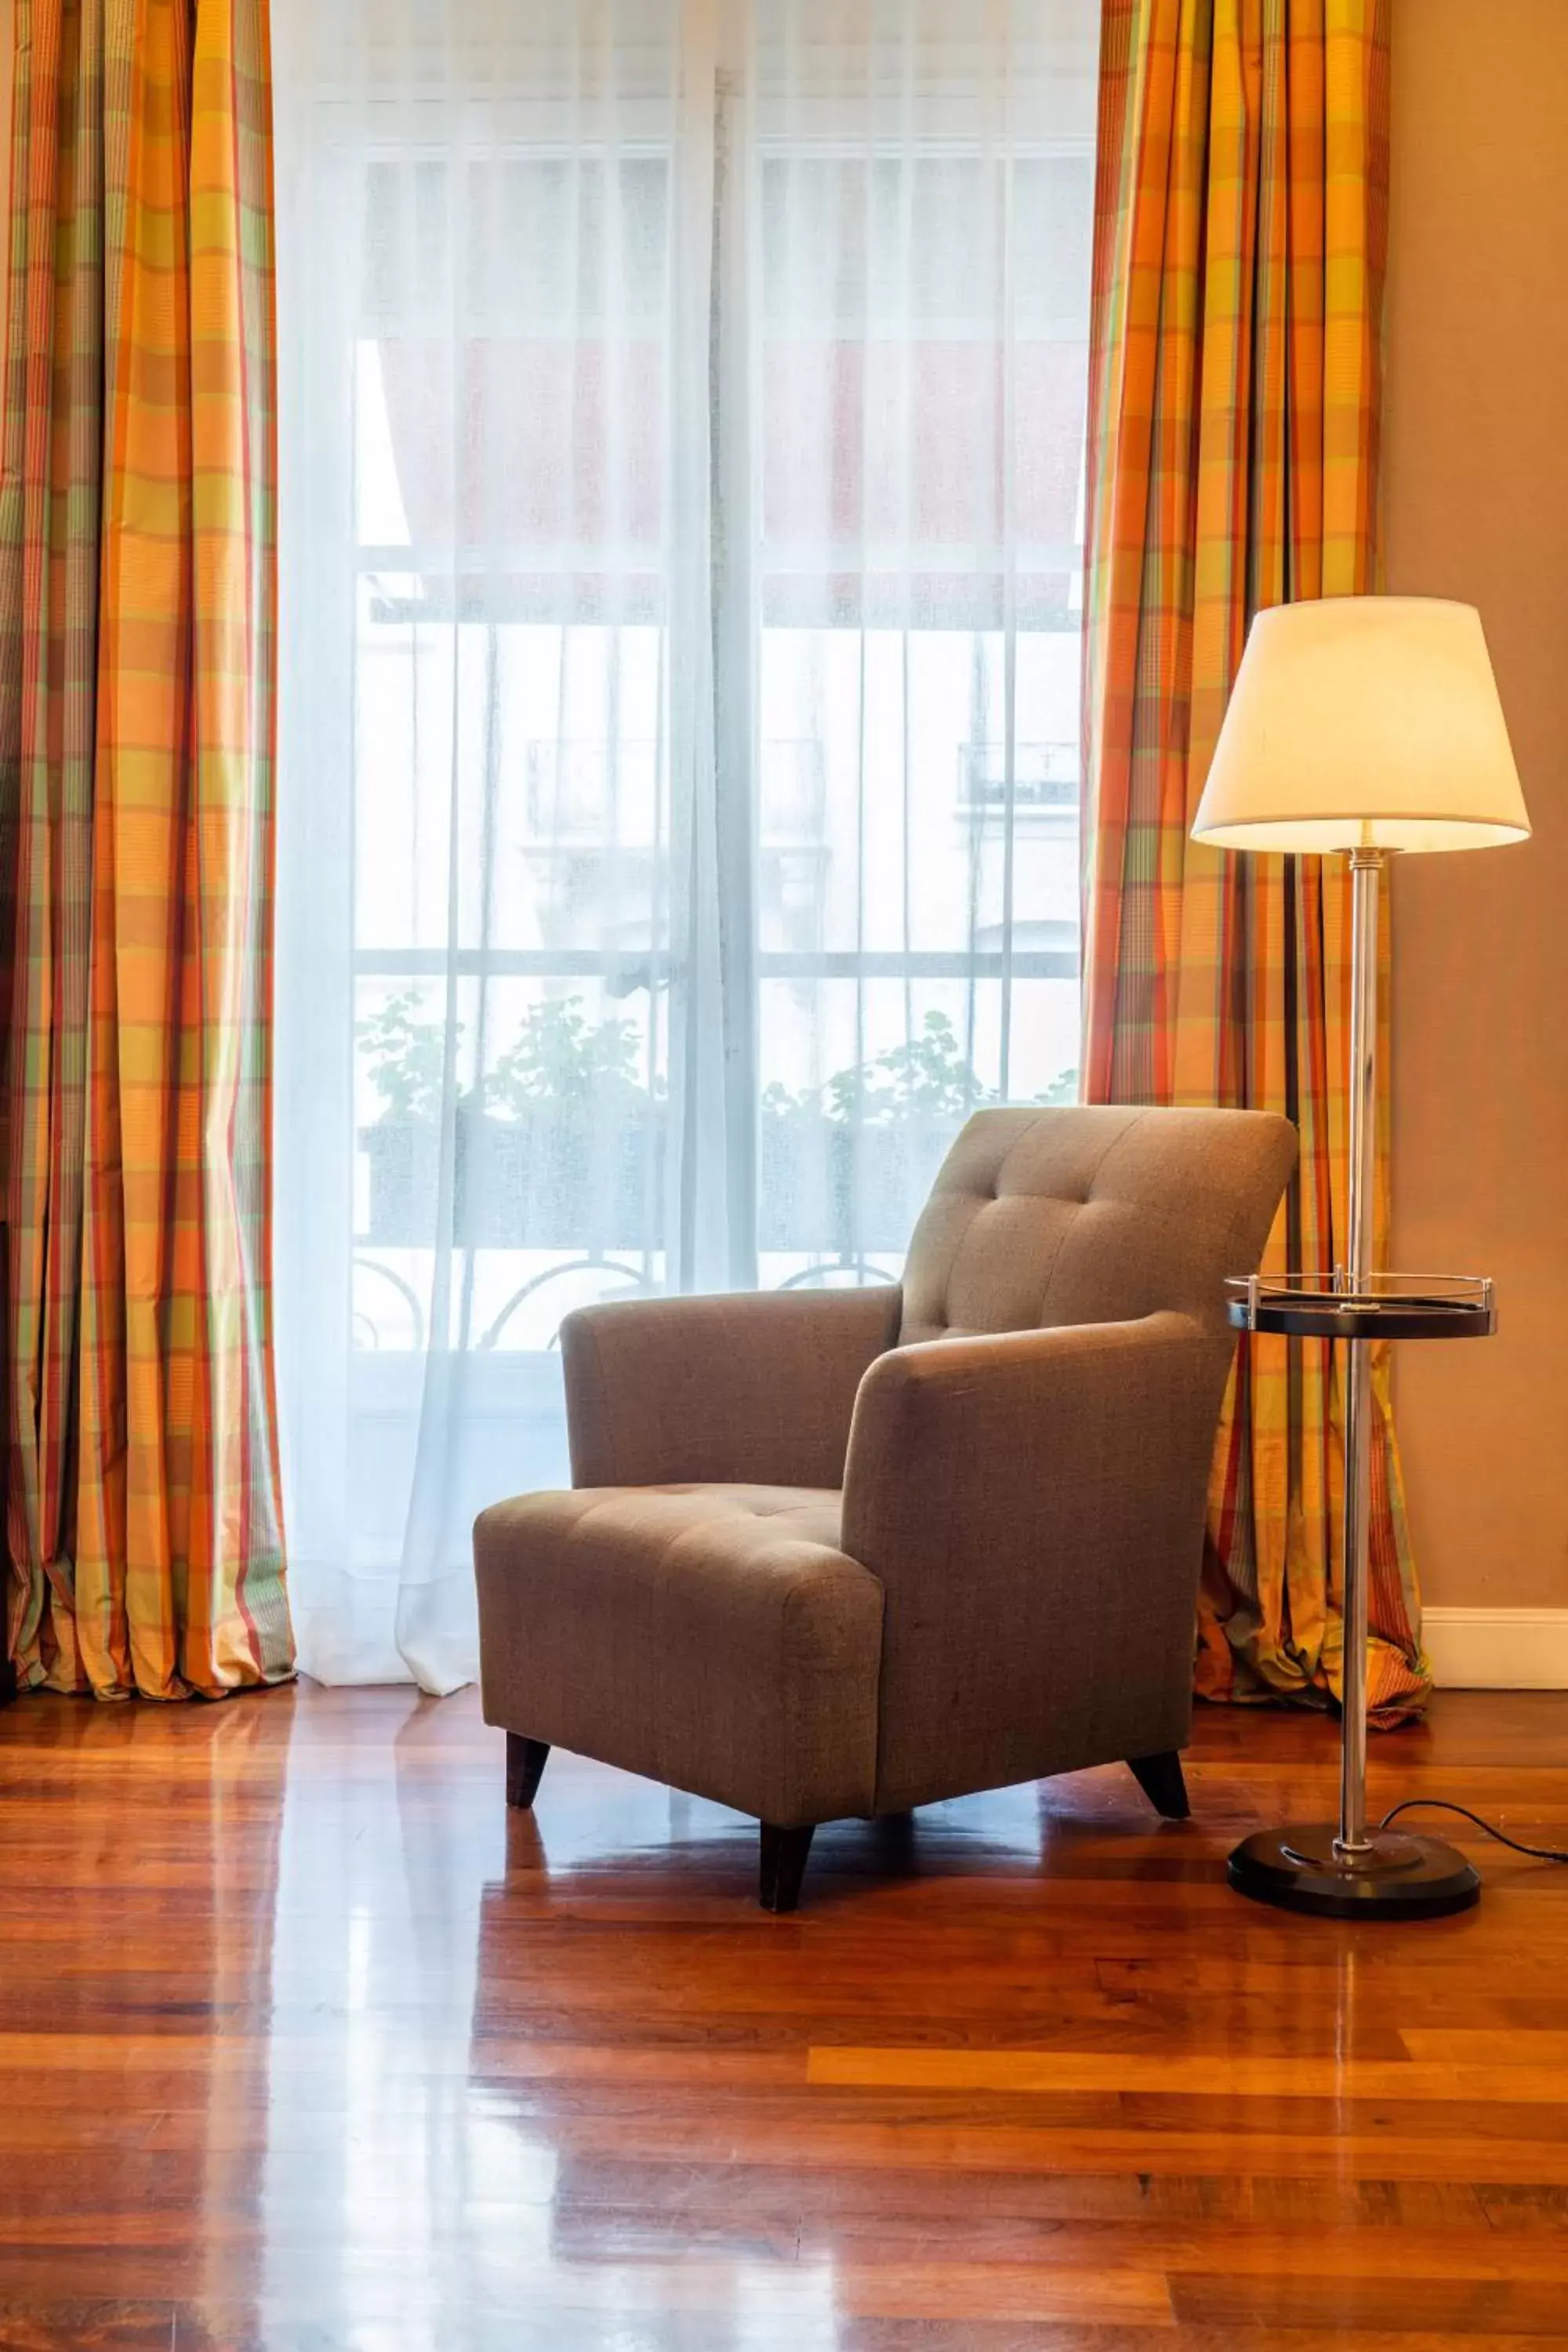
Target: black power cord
(1441,1805)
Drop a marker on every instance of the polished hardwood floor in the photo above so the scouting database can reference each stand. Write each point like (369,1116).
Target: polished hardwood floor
(305,2044)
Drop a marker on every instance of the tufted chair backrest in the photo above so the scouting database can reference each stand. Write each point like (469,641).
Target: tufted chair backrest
(1093,1215)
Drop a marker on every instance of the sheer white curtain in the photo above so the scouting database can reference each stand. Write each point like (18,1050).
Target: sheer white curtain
(683,423)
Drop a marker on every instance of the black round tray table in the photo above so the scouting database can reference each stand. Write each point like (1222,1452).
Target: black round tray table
(1380,1307)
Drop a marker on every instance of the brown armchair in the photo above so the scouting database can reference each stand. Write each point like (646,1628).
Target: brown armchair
(845,1552)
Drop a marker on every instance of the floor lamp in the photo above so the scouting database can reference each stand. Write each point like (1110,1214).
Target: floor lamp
(1361,726)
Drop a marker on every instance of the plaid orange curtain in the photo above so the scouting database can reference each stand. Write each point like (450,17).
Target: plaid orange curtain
(136,730)
(1236,384)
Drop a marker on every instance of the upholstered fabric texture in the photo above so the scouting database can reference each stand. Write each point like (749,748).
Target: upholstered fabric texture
(759,1386)
(1085,1216)
(1034,1506)
(1024,1435)
(711,1637)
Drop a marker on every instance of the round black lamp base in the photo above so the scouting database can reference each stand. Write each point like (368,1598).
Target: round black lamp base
(1401,1878)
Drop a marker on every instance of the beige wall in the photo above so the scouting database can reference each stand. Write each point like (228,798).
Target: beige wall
(1476,506)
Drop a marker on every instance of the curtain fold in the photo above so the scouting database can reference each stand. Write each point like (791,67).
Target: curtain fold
(1240,240)
(136,702)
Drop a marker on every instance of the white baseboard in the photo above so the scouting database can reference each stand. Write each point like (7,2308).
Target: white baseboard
(1497,1649)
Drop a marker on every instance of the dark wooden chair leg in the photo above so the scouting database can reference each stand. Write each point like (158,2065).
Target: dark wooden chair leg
(783,1853)
(1160,1778)
(525,1762)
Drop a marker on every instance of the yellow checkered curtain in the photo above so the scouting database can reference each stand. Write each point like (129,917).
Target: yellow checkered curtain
(1235,381)
(136,721)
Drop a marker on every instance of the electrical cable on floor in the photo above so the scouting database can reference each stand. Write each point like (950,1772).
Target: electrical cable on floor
(1442,1805)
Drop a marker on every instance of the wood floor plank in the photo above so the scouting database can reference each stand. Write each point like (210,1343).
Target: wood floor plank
(1231,2075)
(306,2044)
(1509,2047)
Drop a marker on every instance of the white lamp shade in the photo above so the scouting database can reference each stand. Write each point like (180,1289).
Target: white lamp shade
(1364,722)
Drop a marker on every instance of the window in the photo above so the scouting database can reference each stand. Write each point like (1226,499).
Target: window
(682,455)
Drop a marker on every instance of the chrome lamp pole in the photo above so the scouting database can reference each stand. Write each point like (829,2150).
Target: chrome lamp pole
(1363,725)
(1367,886)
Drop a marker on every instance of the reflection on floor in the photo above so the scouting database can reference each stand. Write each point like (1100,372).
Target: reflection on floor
(305,2046)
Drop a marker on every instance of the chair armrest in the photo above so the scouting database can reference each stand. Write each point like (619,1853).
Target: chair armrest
(756,1387)
(1034,1506)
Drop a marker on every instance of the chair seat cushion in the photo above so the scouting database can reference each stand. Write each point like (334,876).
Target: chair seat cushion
(713,1637)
